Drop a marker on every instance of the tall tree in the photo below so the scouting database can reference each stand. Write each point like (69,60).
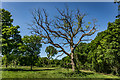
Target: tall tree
(66,29)
(10,35)
(31,48)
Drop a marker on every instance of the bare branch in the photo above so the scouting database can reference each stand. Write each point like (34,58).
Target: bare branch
(59,55)
(86,34)
(86,40)
(62,28)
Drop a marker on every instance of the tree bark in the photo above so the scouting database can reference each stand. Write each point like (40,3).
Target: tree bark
(72,59)
(72,62)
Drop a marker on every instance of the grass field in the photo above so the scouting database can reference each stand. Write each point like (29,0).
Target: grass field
(56,72)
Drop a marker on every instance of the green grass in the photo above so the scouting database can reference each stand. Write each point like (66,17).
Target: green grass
(56,72)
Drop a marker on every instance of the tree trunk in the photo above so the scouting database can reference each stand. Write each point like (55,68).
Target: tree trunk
(48,60)
(72,61)
(32,58)
(31,67)
(6,61)
(15,63)
(6,65)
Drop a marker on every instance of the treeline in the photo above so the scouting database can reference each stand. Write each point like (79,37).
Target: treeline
(39,62)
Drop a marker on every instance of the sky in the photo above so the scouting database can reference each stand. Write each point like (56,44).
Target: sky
(104,12)
(58,0)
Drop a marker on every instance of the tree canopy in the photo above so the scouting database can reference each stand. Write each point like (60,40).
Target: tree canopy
(51,51)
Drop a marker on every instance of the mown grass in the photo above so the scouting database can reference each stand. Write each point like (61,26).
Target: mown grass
(56,72)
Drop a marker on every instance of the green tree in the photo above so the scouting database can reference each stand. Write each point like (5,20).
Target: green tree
(11,38)
(44,61)
(39,62)
(57,62)
(31,48)
(81,54)
(105,49)
(51,52)
(65,62)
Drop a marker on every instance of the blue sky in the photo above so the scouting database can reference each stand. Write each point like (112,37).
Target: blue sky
(104,12)
(58,0)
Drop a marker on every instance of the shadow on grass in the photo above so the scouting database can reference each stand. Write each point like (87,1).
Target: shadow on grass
(76,74)
(11,69)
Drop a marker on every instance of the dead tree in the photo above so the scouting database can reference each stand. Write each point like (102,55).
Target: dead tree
(65,29)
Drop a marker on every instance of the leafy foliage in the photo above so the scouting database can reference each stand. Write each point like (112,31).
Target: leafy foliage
(81,54)
(51,51)
(11,38)
(105,49)
(31,48)
(65,62)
